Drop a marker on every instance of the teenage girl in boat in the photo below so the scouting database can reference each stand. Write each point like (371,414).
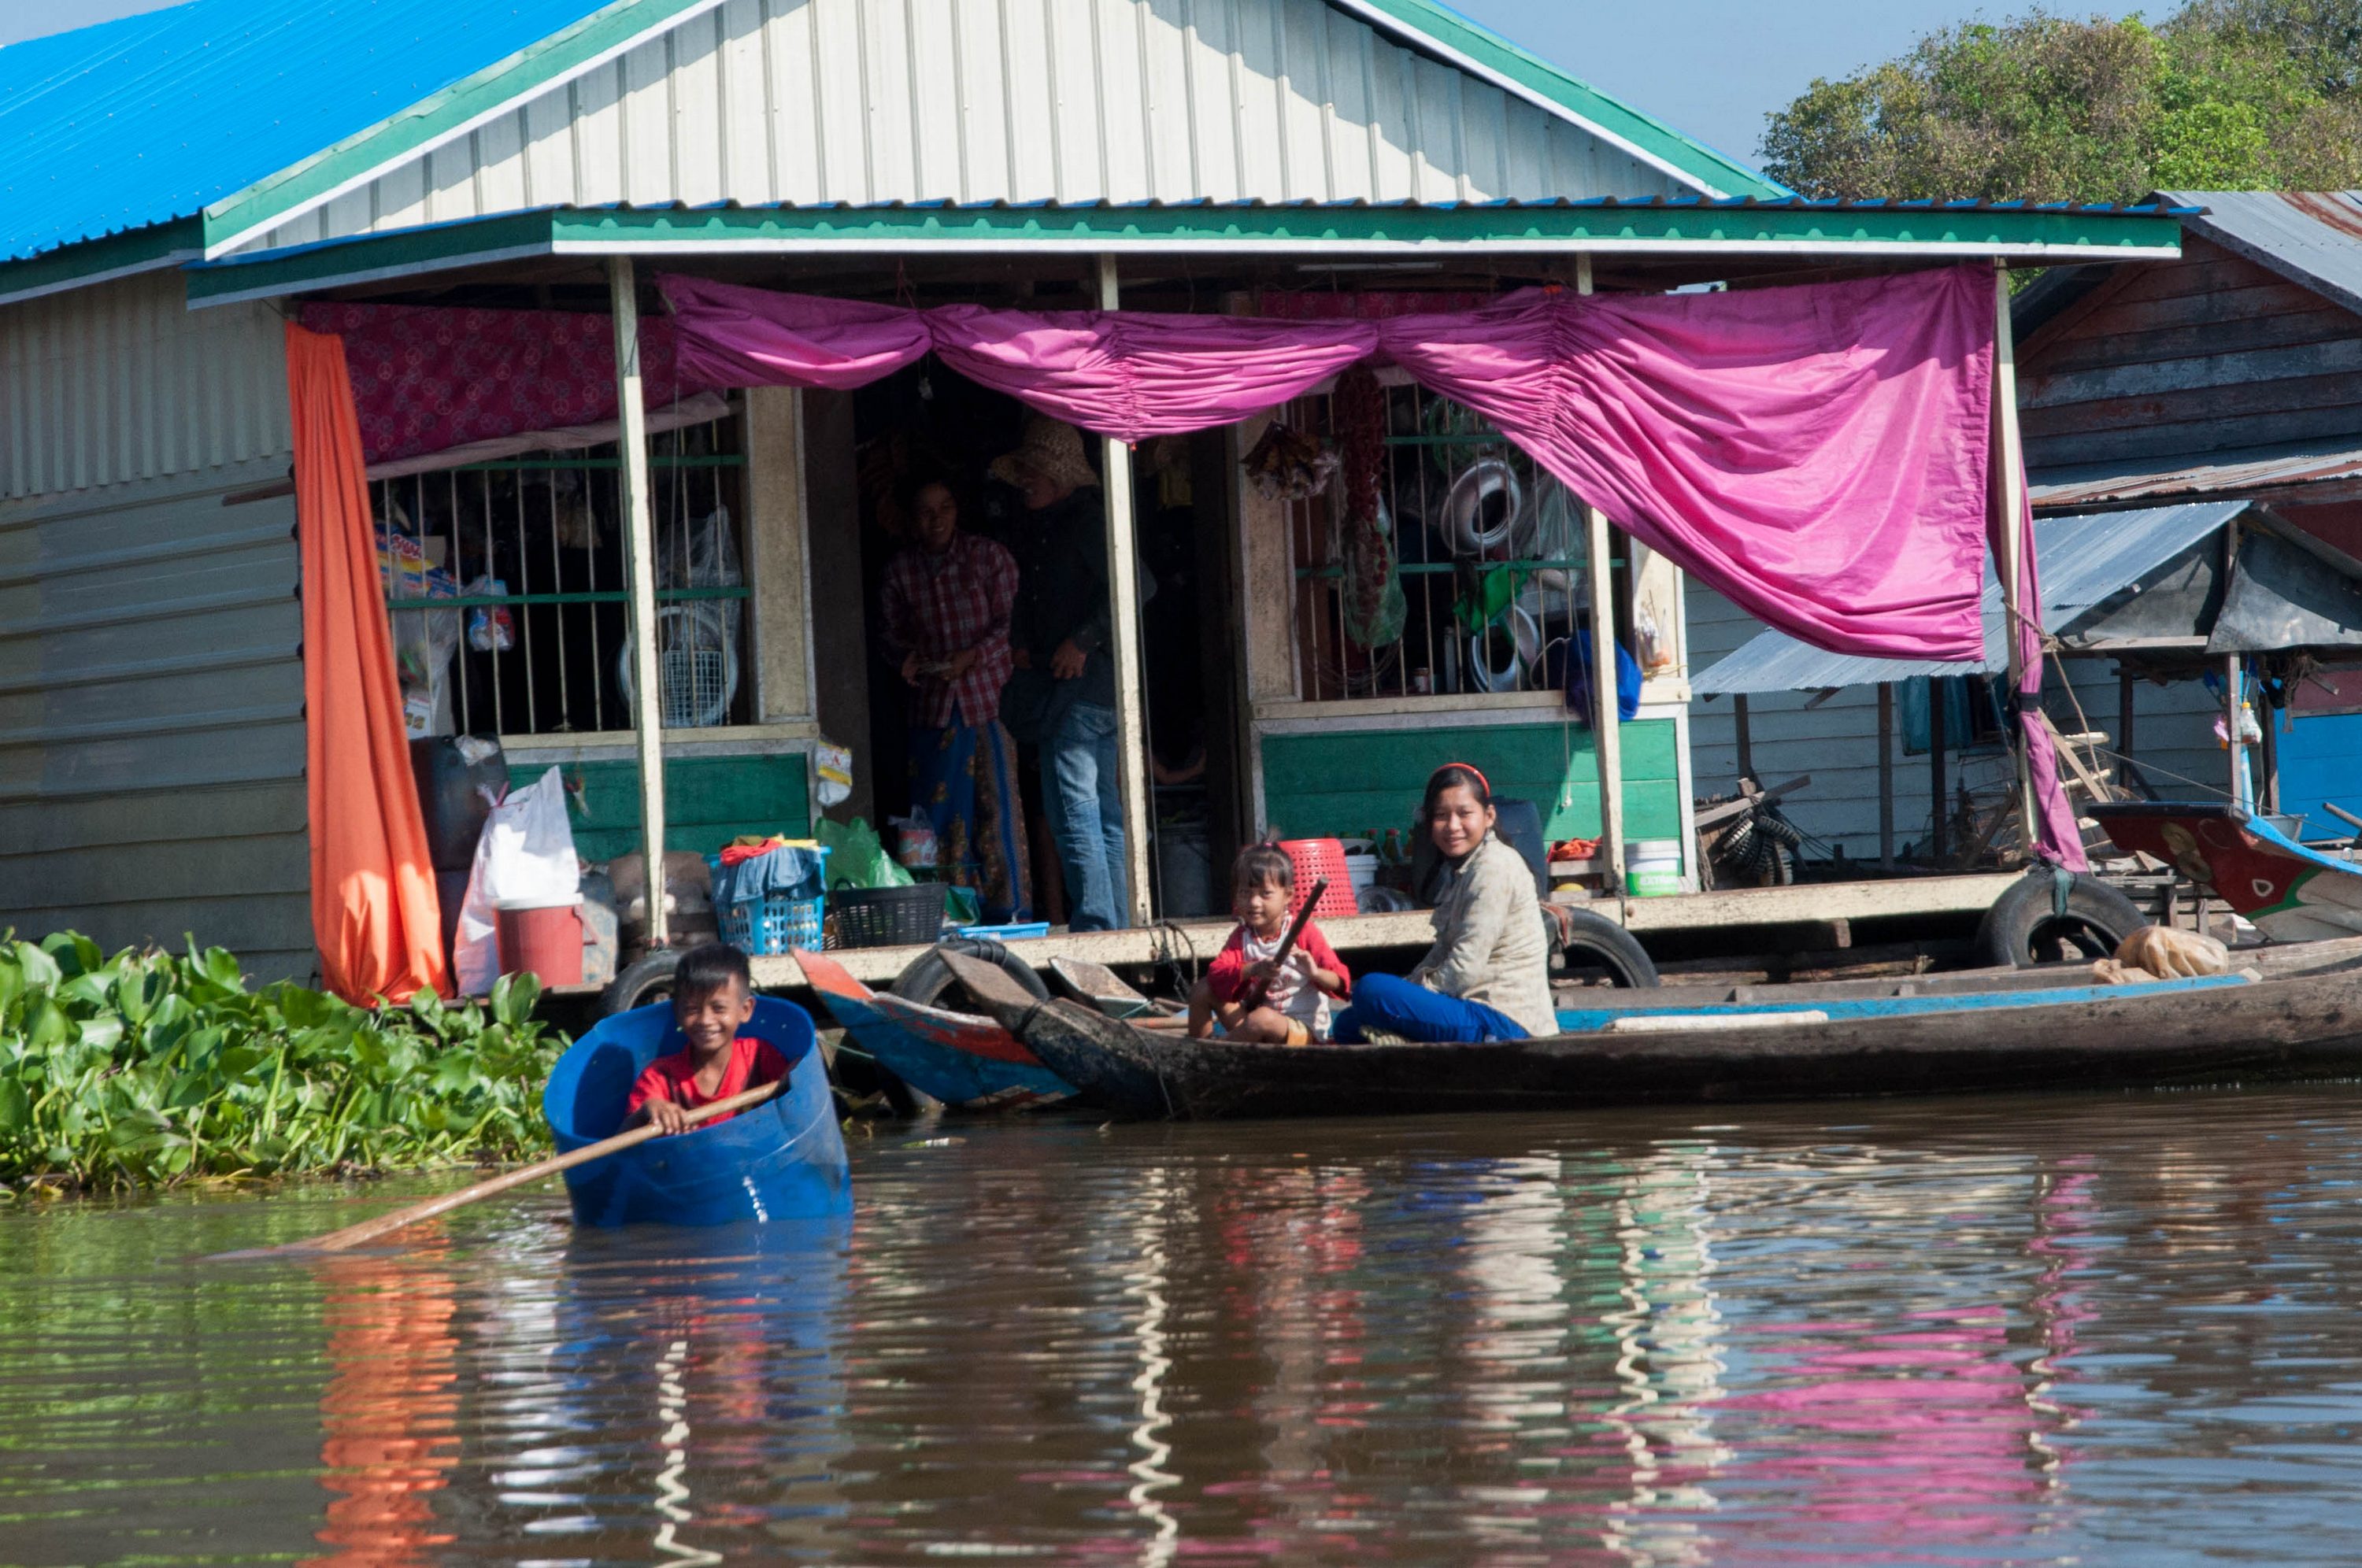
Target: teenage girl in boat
(1487,977)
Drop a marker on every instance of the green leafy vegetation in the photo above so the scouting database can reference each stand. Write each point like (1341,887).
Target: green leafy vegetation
(2223,94)
(145,1068)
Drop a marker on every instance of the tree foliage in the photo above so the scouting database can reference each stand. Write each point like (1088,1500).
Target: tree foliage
(2225,95)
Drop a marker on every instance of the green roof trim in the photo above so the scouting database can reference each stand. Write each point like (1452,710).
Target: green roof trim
(1733,229)
(569,51)
(90,261)
(1717,172)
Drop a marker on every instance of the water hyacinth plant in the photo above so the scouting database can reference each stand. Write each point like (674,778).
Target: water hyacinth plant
(147,1068)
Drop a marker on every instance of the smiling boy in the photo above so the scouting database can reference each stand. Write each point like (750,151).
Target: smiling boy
(713,1000)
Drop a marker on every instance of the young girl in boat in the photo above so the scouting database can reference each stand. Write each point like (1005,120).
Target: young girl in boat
(1487,977)
(1251,995)
(713,1000)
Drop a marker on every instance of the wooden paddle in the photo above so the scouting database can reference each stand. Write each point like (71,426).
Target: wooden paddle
(1252,998)
(386,1224)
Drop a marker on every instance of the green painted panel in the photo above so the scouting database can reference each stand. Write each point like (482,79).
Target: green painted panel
(708,800)
(1346,782)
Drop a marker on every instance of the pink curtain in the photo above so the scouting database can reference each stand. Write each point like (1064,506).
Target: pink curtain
(2056,833)
(733,336)
(1818,455)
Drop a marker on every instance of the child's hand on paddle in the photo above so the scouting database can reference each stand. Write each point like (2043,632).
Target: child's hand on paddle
(666,1117)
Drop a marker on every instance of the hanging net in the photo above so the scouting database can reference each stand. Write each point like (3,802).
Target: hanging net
(1371,595)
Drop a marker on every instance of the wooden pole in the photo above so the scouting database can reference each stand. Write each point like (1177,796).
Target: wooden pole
(1745,736)
(2239,792)
(1886,776)
(1605,725)
(1123,646)
(2016,548)
(2268,756)
(1936,761)
(640,568)
(2124,731)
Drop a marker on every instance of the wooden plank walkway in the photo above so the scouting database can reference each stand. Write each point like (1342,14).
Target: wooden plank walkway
(1813,903)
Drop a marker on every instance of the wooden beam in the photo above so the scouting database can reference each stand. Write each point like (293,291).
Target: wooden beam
(1123,592)
(640,568)
(1743,734)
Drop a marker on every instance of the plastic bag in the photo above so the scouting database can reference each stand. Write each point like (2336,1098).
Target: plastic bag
(914,841)
(858,859)
(491,627)
(524,856)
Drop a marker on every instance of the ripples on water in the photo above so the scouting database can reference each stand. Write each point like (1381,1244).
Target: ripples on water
(2089,1329)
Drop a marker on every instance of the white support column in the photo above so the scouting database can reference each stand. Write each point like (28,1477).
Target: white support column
(640,568)
(1607,734)
(2010,453)
(1123,644)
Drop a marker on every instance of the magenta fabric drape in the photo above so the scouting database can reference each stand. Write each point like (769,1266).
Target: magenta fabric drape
(2056,833)
(1818,455)
(1135,374)
(733,336)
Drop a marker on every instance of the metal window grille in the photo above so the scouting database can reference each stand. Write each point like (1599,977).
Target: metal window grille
(1488,548)
(511,601)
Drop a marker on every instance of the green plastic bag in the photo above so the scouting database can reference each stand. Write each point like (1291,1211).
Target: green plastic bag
(856,859)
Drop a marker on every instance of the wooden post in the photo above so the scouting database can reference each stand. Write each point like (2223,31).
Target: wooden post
(1744,735)
(1123,645)
(1886,776)
(640,568)
(2240,796)
(2268,757)
(2124,731)
(1936,763)
(1607,733)
(2010,454)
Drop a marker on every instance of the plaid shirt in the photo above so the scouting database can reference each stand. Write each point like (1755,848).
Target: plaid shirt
(939,605)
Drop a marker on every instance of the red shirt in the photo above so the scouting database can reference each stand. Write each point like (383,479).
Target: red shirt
(1226,974)
(753,1063)
(939,605)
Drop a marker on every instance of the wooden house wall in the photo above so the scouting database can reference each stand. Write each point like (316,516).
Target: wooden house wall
(2171,359)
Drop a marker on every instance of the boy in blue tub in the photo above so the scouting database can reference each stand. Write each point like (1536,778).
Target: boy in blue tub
(713,1000)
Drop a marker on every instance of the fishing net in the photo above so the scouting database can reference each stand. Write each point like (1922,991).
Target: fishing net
(1371,596)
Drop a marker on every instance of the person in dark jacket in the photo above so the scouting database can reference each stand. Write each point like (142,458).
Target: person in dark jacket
(1063,694)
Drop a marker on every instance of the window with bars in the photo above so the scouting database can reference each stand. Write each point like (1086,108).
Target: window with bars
(1471,584)
(510,602)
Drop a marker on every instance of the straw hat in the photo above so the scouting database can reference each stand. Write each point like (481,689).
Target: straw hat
(1053,449)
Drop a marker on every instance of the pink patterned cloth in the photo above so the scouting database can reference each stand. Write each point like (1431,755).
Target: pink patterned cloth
(426,379)
(739,337)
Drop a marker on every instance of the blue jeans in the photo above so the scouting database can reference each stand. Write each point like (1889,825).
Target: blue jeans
(1085,804)
(1411,1011)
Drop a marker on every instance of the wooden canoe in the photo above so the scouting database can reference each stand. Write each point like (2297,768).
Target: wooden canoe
(2296,1012)
(968,1062)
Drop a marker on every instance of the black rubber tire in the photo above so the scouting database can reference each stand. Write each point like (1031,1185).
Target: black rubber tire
(928,977)
(1597,942)
(650,980)
(2023,928)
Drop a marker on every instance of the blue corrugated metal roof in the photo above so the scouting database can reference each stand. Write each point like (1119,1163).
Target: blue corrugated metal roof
(150,118)
(2081,562)
(2313,238)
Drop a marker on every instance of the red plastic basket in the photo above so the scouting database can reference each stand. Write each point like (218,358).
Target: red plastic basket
(1313,859)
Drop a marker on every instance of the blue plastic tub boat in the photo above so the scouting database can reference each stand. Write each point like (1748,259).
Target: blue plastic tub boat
(783,1160)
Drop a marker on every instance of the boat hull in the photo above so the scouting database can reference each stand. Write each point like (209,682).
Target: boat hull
(784,1160)
(968,1062)
(2290,892)
(2295,1025)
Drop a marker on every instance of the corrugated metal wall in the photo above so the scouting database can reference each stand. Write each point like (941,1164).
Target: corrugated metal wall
(122,381)
(1836,742)
(151,687)
(814,101)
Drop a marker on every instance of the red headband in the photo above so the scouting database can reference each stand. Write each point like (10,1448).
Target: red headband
(1468,767)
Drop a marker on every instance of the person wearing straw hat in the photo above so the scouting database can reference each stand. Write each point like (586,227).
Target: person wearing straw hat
(1063,694)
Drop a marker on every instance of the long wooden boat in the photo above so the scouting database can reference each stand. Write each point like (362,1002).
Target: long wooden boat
(783,1160)
(2290,891)
(2297,1012)
(968,1062)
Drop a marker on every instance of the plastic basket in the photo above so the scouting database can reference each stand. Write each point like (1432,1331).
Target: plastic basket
(1313,859)
(766,928)
(886,917)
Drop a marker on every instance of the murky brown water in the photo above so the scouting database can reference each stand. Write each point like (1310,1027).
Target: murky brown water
(2087,1330)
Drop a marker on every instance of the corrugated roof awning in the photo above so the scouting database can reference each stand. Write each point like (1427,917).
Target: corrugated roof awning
(2083,562)
(2300,471)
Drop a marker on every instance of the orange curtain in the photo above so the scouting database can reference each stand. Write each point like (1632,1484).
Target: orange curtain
(374,911)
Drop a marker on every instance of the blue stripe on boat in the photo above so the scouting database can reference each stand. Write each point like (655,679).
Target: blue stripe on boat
(950,1075)
(1579,1020)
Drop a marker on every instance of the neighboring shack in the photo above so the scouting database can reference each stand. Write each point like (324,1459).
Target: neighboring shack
(2233,375)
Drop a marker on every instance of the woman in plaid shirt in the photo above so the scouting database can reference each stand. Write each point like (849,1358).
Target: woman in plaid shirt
(948,597)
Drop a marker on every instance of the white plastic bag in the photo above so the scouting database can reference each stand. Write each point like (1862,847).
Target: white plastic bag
(525,856)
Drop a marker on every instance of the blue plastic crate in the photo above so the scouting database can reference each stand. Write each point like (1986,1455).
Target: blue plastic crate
(766,928)
(1020,933)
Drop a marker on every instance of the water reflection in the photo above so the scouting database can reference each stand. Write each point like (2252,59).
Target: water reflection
(2095,1330)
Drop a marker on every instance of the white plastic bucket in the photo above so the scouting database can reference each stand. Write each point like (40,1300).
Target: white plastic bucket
(1654,868)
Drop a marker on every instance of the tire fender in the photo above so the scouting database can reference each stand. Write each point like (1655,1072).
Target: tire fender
(2024,927)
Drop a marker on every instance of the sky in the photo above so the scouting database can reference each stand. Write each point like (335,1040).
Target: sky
(1712,69)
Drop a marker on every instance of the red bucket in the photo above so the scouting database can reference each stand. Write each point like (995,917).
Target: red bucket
(1313,859)
(545,941)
